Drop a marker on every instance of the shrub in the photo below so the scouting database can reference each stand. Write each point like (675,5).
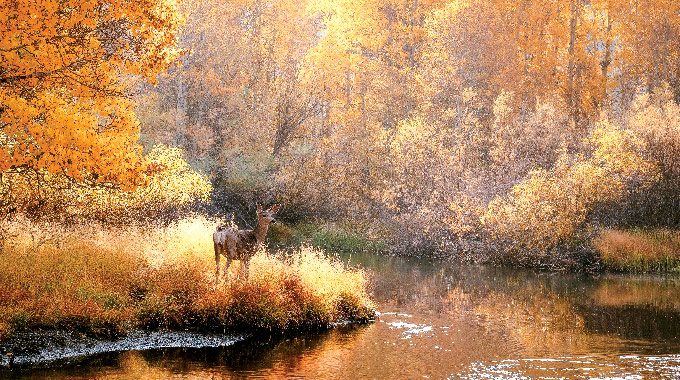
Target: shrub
(337,238)
(639,250)
(169,184)
(553,207)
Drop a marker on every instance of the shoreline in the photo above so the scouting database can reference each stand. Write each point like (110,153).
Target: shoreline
(45,347)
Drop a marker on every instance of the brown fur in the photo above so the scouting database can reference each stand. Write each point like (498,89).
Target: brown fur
(235,244)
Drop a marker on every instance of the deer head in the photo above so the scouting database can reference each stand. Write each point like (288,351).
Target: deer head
(266,216)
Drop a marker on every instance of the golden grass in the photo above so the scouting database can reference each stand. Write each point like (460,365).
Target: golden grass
(639,250)
(106,281)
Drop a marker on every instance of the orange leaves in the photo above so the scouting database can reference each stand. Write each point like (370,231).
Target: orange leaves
(63,110)
(64,137)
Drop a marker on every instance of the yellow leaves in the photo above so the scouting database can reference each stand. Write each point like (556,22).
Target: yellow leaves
(61,95)
(620,152)
(171,184)
(176,181)
(413,140)
(549,207)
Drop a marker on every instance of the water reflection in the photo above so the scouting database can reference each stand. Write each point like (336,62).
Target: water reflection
(452,321)
(587,367)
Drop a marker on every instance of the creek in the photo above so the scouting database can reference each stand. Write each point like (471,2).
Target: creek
(443,320)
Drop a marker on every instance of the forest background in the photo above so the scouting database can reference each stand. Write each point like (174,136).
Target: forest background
(531,132)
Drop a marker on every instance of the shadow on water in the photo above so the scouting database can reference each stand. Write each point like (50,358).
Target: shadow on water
(451,321)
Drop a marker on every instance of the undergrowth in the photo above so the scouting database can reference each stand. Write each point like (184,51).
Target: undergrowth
(326,237)
(104,282)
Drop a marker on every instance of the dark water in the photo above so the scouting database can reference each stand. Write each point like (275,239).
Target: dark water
(448,321)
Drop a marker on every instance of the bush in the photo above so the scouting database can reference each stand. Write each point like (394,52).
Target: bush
(655,250)
(169,185)
(337,238)
(553,207)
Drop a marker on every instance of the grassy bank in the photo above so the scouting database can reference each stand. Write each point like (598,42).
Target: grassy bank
(656,250)
(104,282)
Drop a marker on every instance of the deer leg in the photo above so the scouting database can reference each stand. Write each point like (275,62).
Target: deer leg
(226,266)
(229,255)
(217,263)
(245,267)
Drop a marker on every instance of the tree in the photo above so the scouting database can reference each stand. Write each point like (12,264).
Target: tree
(649,52)
(66,68)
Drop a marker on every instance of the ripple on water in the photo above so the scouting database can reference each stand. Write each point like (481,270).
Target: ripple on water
(410,329)
(594,368)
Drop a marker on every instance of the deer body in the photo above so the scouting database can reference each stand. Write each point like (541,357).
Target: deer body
(235,244)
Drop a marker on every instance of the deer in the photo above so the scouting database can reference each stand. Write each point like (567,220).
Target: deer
(235,244)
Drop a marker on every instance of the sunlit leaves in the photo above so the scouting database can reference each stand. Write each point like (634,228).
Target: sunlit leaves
(65,75)
(551,207)
(167,183)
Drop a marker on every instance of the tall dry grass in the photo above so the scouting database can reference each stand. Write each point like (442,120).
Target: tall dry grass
(106,281)
(639,250)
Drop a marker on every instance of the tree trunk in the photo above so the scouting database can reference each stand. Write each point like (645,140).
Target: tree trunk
(571,69)
(606,61)
(181,109)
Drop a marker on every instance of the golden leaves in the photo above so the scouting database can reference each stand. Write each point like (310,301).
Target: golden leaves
(63,109)
(167,182)
(549,207)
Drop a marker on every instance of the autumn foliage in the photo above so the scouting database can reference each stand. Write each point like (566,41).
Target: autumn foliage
(170,188)
(67,68)
(490,130)
(552,207)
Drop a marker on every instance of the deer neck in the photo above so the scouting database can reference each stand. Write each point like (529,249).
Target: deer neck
(260,231)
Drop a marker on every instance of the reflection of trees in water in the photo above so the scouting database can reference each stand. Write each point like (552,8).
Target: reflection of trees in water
(521,304)
(272,358)
(564,313)
(634,322)
(540,321)
(112,365)
(657,292)
(645,308)
(326,355)
(408,283)
(543,311)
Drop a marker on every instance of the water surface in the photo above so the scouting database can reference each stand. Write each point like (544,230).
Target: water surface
(440,320)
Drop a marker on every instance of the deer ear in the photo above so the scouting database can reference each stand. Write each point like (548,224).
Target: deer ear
(275,208)
(259,207)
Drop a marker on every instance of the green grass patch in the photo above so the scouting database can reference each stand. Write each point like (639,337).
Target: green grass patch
(337,238)
(640,250)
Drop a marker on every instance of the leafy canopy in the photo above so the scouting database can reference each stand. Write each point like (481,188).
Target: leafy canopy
(65,69)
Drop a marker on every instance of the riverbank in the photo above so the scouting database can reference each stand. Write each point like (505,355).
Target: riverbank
(328,237)
(107,282)
(45,348)
(620,251)
(443,320)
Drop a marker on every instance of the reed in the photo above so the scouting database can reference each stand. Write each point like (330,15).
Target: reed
(656,250)
(106,281)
